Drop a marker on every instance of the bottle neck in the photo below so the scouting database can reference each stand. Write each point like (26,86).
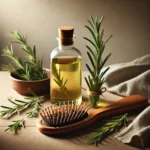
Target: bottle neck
(64,47)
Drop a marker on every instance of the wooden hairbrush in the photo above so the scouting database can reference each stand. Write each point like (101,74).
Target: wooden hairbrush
(55,126)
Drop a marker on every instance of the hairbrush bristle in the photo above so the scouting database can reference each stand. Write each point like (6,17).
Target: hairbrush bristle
(64,114)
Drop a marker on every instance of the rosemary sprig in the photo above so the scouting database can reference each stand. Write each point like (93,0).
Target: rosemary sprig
(96,78)
(108,126)
(34,103)
(59,80)
(28,69)
(36,106)
(16,125)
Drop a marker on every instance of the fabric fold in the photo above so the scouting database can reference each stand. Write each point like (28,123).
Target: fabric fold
(140,127)
(127,79)
(130,78)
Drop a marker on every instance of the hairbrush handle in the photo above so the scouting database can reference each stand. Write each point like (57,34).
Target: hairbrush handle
(126,104)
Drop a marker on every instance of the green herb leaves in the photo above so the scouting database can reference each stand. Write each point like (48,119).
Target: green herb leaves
(15,125)
(96,78)
(34,103)
(108,126)
(59,80)
(28,69)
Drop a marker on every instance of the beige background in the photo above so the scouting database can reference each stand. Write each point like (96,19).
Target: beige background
(127,20)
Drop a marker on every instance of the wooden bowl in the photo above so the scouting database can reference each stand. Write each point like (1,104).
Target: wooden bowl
(39,87)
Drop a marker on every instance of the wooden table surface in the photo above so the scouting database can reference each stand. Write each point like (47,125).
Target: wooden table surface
(30,138)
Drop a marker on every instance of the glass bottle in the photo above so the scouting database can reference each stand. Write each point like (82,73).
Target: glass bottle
(65,66)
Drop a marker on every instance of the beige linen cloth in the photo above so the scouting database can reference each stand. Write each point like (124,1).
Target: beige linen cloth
(128,79)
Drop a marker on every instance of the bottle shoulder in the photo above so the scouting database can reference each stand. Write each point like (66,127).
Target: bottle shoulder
(65,52)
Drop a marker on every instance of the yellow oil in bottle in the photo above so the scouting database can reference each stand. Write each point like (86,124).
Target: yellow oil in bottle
(66,79)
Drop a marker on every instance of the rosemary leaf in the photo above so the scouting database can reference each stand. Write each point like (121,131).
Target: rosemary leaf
(35,109)
(32,103)
(96,80)
(108,126)
(60,80)
(28,68)
(15,125)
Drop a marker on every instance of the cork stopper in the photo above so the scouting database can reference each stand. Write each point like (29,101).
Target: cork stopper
(66,35)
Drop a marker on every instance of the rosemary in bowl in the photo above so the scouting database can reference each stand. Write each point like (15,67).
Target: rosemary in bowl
(27,72)
(28,68)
